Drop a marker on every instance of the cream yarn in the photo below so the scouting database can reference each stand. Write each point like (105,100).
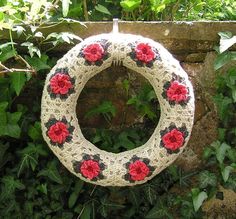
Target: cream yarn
(64,84)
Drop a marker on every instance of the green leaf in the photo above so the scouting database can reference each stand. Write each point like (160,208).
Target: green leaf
(29,156)
(227,43)
(65,7)
(102,9)
(10,185)
(207,178)
(51,172)
(106,107)
(134,197)
(4,156)
(130,5)
(18,80)
(75,195)
(159,211)
(224,58)
(225,172)
(231,154)
(43,188)
(3,106)
(150,193)
(223,104)
(86,212)
(221,152)
(126,86)
(38,63)
(6,52)
(32,49)
(225,35)
(19,30)
(198,198)
(35,131)
(9,124)
(158,8)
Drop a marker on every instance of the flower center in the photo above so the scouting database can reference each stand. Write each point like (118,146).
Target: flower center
(138,170)
(178,91)
(90,168)
(58,132)
(144,50)
(61,84)
(94,51)
(172,138)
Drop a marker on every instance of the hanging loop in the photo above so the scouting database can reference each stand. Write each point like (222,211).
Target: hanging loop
(115,26)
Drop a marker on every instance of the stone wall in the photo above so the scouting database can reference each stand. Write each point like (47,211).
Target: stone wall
(190,42)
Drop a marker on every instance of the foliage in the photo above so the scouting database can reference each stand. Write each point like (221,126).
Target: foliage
(39,12)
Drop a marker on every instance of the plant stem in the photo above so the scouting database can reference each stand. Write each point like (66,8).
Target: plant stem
(12,43)
(11,70)
(85,10)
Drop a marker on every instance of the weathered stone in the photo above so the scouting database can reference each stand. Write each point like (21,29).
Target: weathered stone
(222,207)
(181,38)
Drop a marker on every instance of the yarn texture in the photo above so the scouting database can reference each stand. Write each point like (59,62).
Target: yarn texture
(67,79)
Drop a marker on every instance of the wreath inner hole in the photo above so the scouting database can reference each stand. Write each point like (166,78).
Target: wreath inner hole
(118,110)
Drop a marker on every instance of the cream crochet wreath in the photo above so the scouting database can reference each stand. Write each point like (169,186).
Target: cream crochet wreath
(64,84)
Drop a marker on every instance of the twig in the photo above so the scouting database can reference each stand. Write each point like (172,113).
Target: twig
(11,70)
(85,10)
(93,190)
(23,60)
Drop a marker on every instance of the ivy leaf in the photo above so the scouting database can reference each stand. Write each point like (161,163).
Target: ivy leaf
(62,37)
(9,124)
(102,9)
(126,86)
(43,188)
(75,195)
(225,172)
(223,105)
(32,49)
(221,152)
(226,40)
(106,107)
(134,197)
(4,156)
(10,185)
(35,131)
(38,63)
(3,106)
(198,198)
(207,178)
(225,35)
(51,172)
(6,52)
(150,193)
(18,80)
(86,212)
(19,30)
(159,211)
(224,58)
(65,7)
(29,157)
(130,5)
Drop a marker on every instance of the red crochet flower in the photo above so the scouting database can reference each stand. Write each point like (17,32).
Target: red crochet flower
(173,139)
(58,132)
(144,52)
(138,170)
(177,92)
(60,84)
(90,169)
(93,52)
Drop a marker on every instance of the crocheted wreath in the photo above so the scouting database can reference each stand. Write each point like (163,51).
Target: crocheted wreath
(64,84)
